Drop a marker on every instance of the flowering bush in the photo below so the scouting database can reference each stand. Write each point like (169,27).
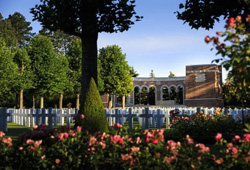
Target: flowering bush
(5,150)
(76,149)
(202,127)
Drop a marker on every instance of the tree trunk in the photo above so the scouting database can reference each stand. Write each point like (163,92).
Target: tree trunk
(61,101)
(89,61)
(21,91)
(21,99)
(77,101)
(34,102)
(123,102)
(41,102)
(110,101)
(17,99)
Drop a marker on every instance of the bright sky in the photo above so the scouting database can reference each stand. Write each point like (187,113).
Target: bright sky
(159,42)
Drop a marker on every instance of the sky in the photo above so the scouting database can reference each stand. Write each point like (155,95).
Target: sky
(160,42)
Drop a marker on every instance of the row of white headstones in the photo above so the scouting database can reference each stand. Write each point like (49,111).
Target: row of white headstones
(147,116)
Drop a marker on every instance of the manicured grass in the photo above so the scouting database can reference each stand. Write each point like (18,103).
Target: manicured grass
(15,130)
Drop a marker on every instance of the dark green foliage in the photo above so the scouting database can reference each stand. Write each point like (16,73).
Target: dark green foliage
(74,55)
(7,33)
(61,41)
(204,13)
(86,19)
(22,29)
(93,110)
(203,128)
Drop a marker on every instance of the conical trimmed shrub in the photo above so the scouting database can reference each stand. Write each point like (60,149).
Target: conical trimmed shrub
(92,108)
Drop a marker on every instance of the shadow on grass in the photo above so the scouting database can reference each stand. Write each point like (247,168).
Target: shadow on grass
(15,130)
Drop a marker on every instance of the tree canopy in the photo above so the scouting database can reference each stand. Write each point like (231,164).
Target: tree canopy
(50,70)
(115,71)
(8,74)
(204,13)
(86,19)
(22,29)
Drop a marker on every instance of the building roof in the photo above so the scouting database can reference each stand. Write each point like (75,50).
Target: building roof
(159,78)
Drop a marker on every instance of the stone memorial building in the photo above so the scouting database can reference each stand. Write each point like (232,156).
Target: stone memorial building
(202,86)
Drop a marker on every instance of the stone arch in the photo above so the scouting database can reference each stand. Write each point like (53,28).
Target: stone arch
(173,92)
(180,94)
(164,93)
(152,95)
(136,95)
(145,87)
(144,94)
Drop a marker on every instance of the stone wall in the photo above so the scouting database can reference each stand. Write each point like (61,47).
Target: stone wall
(204,85)
(158,83)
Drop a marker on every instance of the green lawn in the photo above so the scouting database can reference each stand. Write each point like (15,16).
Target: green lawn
(15,130)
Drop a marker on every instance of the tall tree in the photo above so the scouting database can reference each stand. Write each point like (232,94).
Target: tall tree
(22,29)
(115,72)
(86,19)
(50,70)
(25,79)
(204,13)
(17,32)
(7,32)
(8,74)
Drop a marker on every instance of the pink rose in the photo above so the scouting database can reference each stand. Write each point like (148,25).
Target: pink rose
(82,116)
(28,141)
(2,134)
(234,150)
(218,137)
(237,137)
(79,128)
(66,135)
(207,39)
(247,137)
(218,33)
(230,20)
(60,136)
(155,141)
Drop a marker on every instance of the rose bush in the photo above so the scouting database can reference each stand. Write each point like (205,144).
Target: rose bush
(5,150)
(77,149)
(203,127)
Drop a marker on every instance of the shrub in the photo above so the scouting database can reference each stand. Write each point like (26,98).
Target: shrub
(203,127)
(69,149)
(94,115)
(5,151)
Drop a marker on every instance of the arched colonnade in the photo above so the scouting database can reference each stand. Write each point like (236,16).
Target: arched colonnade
(151,95)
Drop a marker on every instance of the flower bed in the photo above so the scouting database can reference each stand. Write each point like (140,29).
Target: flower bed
(203,127)
(77,149)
